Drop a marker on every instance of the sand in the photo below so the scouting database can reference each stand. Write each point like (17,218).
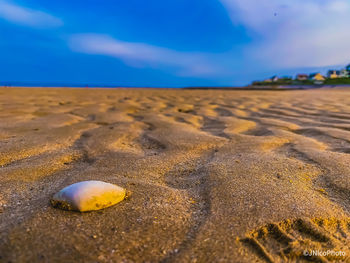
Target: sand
(215,176)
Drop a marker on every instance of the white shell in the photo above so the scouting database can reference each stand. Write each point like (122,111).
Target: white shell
(88,196)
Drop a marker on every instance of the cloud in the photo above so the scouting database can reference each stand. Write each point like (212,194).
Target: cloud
(143,55)
(298,33)
(26,16)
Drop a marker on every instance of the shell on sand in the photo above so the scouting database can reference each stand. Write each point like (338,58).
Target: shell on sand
(88,196)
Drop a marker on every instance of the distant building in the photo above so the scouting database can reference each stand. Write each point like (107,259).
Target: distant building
(272,79)
(344,74)
(333,74)
(302,77)
(317,78)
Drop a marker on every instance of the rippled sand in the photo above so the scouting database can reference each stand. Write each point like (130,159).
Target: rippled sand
(230,176)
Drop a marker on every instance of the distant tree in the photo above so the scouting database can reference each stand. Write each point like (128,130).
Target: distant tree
(348,67)
(286,78)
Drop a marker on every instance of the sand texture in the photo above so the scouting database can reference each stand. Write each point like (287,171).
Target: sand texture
(215,176)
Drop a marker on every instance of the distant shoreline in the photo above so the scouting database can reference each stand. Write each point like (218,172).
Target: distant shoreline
(250,87)
(272,87)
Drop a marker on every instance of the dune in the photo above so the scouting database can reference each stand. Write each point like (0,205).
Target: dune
(215,175)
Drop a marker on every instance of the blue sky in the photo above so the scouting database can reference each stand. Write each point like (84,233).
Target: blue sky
(164,43)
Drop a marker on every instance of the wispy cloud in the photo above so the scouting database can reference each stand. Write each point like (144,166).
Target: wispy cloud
(298,33)
(25,16)
(143,55)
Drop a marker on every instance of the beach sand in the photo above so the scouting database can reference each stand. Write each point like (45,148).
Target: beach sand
(214,176)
